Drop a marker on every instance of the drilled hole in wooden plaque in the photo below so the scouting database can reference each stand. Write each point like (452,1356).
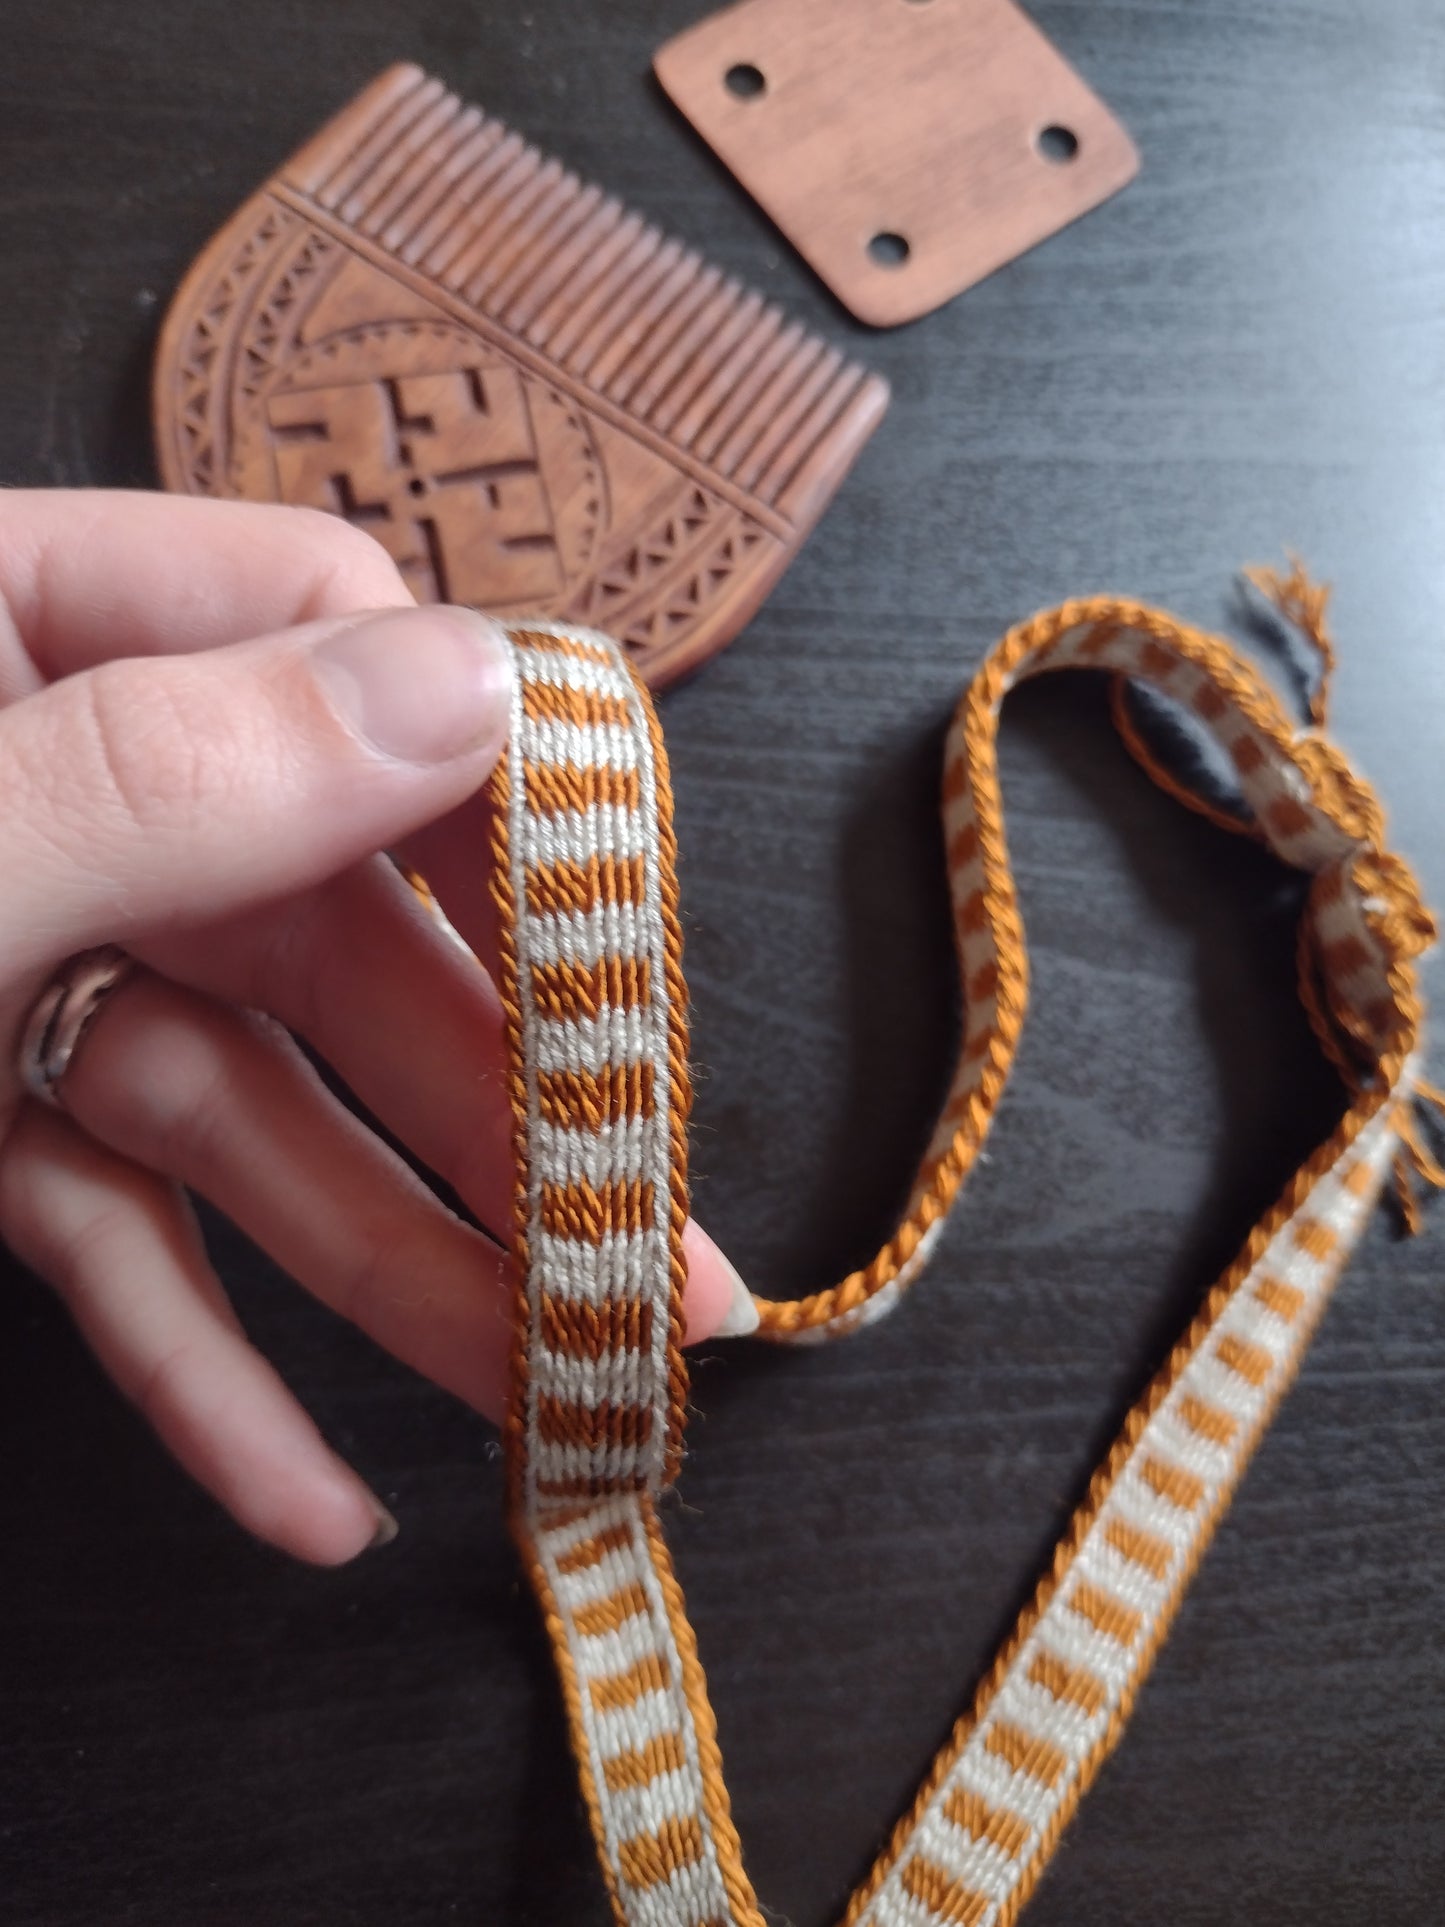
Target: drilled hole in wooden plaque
(1057,144)
(924,117)
(745,81)
(889,250)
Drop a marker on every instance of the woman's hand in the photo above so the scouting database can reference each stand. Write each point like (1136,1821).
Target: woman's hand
(203,745)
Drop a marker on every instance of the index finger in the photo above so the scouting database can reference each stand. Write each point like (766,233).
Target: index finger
(91,574)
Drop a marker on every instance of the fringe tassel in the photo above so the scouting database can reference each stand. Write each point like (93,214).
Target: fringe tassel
(1414,1159)
(1302,603)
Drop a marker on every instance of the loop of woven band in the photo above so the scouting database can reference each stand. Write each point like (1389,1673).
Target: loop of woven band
(592,983)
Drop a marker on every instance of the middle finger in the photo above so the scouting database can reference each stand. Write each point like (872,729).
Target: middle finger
(410,1021)
(226,1103)
(414,1026)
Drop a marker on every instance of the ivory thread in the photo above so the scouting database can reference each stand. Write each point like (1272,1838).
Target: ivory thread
(591,979)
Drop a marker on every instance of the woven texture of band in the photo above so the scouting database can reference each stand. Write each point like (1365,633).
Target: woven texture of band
(585,883)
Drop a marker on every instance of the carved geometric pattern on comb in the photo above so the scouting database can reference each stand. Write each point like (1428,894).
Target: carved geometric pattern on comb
(532,399)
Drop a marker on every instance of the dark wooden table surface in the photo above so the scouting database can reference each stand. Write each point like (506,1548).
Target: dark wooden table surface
(1246,350)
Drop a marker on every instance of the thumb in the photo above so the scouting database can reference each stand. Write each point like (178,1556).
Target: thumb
(190,786)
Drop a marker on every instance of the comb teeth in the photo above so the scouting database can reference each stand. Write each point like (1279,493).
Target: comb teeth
(653,323)
(533,398)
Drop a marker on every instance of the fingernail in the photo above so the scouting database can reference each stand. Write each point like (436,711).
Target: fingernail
(420,685)
(386,1526)
(742,1315)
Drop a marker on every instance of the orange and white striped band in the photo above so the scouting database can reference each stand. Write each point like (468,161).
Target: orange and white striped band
(591,978)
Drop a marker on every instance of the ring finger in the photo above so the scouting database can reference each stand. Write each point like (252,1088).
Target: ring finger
(223,1101)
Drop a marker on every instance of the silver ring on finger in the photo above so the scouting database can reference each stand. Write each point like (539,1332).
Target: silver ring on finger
(63,1013)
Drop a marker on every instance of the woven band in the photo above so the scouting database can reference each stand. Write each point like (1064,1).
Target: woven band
(585,883)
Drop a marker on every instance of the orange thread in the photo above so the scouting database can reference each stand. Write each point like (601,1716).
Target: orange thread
(580,1210)
(1173,1483)
(1334,788)
(1414,1159)
(1027,1753)
(571,1691)
(719,1809)
(1110,1615)
(1285,1301)
(1208,1421)
(591,1427)
(555,788)
(580,1330)
(1140,1548)
(651,1858)
(579,887)
(1250,1361)
(591,1552)
(1315,1238)
(514,1424)
(680,1075)
(648,1675)
(974,1816)
(942,1895)
(1069,1683)
(1370,1042)
(553,703)
(607,1615)
(1425,1163)
(639,1766)
(1405,1195)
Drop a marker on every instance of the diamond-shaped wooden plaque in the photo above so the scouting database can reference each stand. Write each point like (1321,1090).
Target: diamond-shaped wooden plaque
(906,148)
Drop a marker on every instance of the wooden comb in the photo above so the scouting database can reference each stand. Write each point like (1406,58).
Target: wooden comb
(535,401)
